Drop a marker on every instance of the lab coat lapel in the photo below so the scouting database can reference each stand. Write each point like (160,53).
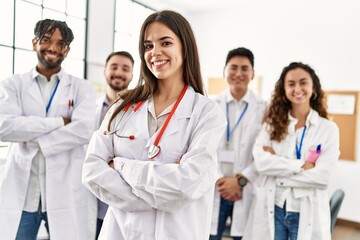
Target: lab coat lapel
(311,131)
(34,89)
(62,94)
(139,121)
(221,101)
(183,111)
(251,111)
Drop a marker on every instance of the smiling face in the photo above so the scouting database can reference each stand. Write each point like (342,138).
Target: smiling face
(118,72)
(51,50)
(163,52)
(238,72)
(298,87)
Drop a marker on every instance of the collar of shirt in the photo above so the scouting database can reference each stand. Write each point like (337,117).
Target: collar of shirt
(106,102)
(311,119)
(35,74)
(151,108)
(230,98)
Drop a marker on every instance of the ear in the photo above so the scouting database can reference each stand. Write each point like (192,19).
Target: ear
(34,42)
(66,52)
(253,75)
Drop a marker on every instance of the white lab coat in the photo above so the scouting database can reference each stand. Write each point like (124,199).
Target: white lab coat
(98,111)
(249,126)
(71,208)
(284,169)
(158,199)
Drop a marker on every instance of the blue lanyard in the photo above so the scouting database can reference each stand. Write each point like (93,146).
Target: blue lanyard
(298,149)
(51,97)
(228,131)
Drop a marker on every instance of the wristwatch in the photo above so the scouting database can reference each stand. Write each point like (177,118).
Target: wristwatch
(242,181)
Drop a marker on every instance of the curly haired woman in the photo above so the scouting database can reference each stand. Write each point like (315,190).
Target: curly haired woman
(295,154)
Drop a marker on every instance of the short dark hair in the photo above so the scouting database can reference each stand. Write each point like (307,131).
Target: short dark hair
(49,26)
(120,53)
(242,52)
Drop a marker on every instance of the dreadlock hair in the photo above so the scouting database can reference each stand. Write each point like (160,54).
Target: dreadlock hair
(49,26)
(277,116)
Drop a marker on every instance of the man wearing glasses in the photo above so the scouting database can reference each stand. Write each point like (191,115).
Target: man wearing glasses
(48,116)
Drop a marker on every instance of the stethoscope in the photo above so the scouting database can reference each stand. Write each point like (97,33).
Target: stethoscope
(154,149)
(117,127)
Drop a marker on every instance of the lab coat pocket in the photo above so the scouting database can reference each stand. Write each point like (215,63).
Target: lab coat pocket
(64,110)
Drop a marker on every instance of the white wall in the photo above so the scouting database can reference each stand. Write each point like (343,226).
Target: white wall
(322,33)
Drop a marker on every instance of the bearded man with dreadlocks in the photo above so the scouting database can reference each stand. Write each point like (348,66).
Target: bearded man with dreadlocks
(47,116)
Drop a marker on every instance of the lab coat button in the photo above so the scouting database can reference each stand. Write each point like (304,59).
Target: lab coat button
(281,183)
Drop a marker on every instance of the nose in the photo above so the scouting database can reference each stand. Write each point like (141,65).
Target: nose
(238,73)
(156,51)
(54,47)
(119,72)
(297,88)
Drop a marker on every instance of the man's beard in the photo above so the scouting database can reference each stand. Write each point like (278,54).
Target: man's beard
(118,88)
(49,65)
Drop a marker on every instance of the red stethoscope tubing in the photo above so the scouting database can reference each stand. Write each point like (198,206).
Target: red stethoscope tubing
(162,130)
(154,149)
(126,108)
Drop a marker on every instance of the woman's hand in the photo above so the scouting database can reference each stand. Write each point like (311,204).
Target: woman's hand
(269,149)
(308,165)
(111,164)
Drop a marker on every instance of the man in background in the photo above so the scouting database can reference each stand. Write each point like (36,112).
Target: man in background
(48,117)
(118,73)
(244,113)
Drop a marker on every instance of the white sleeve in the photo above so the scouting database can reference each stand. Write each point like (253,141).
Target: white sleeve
(14,126)
(78,132)
(319,176)
(170,187)
(103,181)
(270,164)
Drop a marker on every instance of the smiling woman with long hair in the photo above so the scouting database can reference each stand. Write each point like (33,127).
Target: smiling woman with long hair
(295,154)
(153,160)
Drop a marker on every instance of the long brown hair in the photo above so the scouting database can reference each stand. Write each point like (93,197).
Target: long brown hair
(191,66)
(277,116)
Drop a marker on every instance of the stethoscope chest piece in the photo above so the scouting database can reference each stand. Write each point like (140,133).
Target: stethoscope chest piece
(153,151)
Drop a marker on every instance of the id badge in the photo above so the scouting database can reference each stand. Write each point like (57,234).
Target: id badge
(226,156)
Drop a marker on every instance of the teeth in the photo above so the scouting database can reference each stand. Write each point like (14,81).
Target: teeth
(159,63)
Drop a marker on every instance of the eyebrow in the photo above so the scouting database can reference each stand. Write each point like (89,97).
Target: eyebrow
(161,39)
(301,79)
(118,65)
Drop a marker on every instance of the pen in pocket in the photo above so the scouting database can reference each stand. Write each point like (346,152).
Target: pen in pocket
(318,148)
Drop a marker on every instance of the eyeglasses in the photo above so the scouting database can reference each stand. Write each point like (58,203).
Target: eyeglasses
(46,41)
